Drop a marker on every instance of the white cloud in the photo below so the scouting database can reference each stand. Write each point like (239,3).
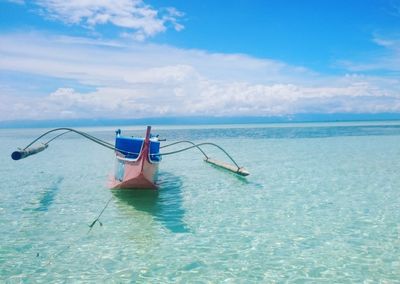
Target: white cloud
(387,60)
(138,19)
(142,80)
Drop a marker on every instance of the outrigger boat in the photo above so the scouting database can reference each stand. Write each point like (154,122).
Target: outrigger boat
(136,159)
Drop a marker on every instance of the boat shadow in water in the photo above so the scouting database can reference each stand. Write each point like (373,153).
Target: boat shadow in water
(48,195)
(164,204)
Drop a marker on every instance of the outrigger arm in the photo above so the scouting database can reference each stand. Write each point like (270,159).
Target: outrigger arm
(28,150)
(232,168)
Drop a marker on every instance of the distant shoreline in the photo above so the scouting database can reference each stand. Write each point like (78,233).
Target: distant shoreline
(197,120)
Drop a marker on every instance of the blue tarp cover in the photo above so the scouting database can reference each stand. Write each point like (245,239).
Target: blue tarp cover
(131,146)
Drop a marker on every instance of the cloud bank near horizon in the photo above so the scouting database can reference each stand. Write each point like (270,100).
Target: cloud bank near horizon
(125,79)
(47,75)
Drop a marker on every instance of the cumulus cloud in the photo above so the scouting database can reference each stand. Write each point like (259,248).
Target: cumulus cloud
(207,98)
(119,80)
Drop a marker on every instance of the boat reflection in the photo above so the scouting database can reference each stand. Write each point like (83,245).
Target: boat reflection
(164,204)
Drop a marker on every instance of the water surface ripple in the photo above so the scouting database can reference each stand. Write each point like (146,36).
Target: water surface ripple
(322,205)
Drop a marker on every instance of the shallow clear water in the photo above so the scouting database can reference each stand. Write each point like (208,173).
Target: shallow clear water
(322,204)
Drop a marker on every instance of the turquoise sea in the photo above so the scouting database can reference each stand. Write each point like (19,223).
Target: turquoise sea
(322,205)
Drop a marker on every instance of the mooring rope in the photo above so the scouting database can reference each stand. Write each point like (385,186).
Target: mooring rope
(98,217)
(54,255)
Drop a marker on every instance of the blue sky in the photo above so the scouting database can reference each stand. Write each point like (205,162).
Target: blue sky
(135,59)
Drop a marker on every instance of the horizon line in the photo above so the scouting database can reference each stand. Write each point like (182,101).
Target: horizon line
(199,120)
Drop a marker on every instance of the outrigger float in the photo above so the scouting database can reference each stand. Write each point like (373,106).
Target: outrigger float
(136,158)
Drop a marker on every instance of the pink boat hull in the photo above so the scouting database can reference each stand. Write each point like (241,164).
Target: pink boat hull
(135,174)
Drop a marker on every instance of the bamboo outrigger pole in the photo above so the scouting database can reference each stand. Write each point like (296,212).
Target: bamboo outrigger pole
(21,154)
(229,167)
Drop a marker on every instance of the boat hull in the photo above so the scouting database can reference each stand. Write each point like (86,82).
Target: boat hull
(139,174)
(135,170)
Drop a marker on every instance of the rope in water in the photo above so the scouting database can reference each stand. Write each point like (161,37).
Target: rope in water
(98,217)
(111,146)
(67,247)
